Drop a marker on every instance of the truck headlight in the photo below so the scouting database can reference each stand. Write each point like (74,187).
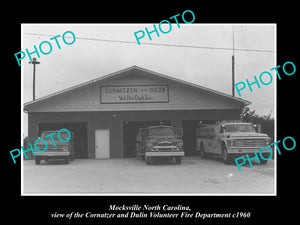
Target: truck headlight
(65,148)
(231,143)
(149,145)
(180,145)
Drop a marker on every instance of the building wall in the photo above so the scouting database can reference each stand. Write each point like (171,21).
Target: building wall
(113,121)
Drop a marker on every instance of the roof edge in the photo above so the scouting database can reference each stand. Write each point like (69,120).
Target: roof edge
(196,86)
(78,86)
(107,76)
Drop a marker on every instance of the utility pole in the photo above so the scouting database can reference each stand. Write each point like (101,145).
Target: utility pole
(233,61)
(233,75)
(34,62)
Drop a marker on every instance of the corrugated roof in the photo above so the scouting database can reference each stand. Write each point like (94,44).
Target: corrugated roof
(120,72)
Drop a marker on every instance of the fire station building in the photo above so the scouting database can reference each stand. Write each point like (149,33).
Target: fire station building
(106,113)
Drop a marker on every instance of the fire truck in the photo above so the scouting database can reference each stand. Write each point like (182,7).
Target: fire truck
(159,141)
(231,140)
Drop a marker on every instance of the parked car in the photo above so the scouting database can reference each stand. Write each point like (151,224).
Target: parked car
(57,150)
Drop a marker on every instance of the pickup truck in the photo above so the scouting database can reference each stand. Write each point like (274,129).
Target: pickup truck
(57,150)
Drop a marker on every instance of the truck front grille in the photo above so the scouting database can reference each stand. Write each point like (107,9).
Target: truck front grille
(54,150)
(250,143)
(162,148)
(165,143)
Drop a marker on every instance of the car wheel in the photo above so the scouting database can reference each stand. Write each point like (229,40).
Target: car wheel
(227,158)
(149,160)
(178,159)
(202,152)
(266,156)
(67,160)
(37,160)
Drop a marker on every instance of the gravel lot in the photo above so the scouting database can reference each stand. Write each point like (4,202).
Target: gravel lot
(131,176)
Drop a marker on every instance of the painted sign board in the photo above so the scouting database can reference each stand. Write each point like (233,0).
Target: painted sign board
(134,94)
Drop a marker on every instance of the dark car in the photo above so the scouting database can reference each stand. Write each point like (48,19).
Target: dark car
(57,150)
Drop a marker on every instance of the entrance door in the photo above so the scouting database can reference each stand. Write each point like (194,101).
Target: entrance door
(102,144)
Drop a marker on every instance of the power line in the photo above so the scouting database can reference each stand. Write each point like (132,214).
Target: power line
(157,44)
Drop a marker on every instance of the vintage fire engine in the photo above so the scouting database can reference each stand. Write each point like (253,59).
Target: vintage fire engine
(231,140)
(159,141)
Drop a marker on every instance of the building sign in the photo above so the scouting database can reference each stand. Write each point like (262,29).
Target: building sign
(134,94)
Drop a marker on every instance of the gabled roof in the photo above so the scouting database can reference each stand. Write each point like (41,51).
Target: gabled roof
(121,72)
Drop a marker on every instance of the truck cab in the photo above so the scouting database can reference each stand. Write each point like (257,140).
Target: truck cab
(231,140)
(159,141)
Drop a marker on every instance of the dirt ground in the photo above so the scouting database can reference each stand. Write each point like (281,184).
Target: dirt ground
(131,176)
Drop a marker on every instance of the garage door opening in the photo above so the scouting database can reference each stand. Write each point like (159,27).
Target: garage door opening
(80,136)
(130,128)
(189,137)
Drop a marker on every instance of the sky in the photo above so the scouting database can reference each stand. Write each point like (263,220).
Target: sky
(85,60)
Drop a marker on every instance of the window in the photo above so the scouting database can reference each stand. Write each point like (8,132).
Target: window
(239,128)
(161,131)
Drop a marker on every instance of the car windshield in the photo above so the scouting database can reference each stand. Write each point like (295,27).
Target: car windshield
(239,128)
(161,131)
(63,135)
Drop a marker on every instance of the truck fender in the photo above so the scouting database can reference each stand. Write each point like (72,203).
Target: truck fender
(219,141)
(222,145)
